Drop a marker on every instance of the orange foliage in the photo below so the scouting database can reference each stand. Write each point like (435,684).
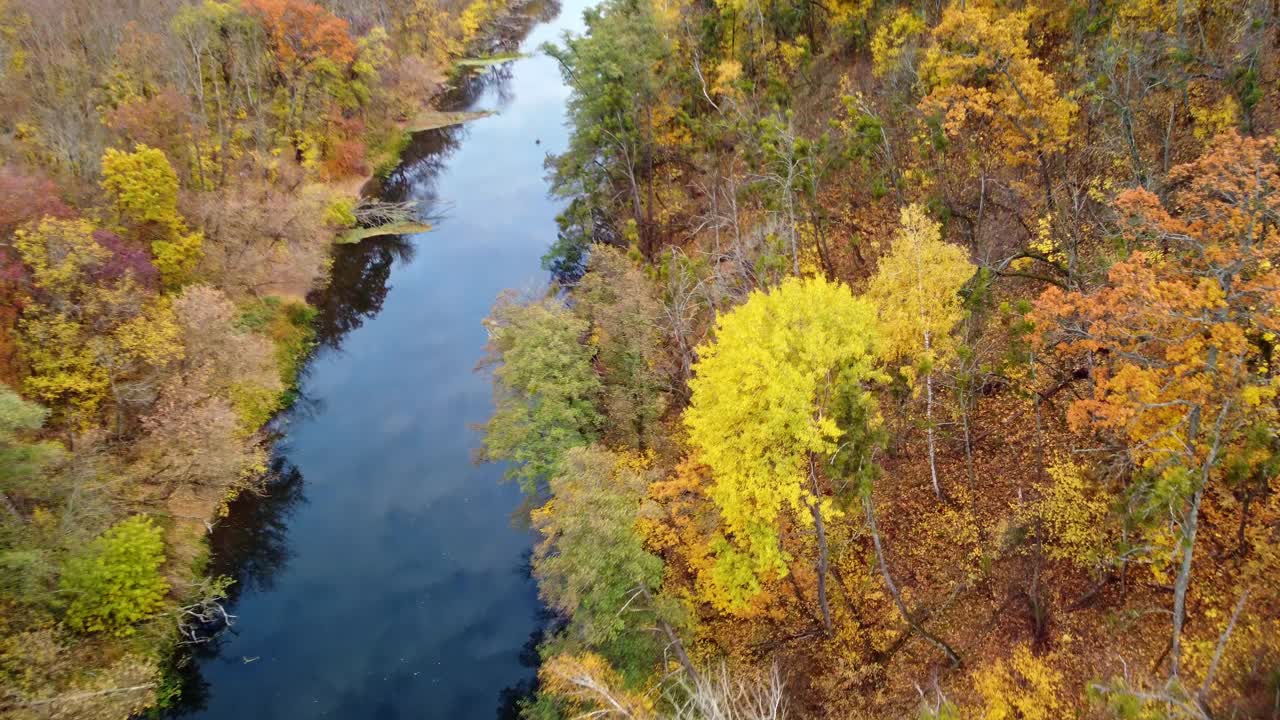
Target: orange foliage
(302,32)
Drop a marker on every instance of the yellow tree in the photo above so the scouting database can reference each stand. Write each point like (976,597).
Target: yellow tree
(143,189)
(761,418)
(917,295)
(91,328)
(982,76)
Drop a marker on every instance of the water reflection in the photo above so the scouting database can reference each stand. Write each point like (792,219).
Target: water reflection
(406,426)
(251,546)
(358,286)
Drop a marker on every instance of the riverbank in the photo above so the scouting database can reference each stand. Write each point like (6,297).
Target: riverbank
(295,341)
(189,226)
(381,530)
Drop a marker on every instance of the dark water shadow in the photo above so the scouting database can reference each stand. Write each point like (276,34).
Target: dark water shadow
(251,546)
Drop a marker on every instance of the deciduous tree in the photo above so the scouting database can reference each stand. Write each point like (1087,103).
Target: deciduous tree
(916,290)
(617,298)
(592,564)
(761,419)
(143,189)
(115,581)
(544,387)
(1179,336)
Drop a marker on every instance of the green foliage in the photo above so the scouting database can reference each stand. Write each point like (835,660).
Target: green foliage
(115,582)
(385,151)
(21,460)
(289,325)
(613,72)
(592,563)
(857,413)
(617,298)
(544,388)
(567,257)
(26,569)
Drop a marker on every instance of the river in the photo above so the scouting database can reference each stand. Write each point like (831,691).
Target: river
(386,575)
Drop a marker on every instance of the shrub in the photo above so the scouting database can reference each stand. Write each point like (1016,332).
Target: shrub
(340,213)
(116,581)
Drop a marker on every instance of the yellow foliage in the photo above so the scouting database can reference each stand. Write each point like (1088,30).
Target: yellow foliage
(757,416)
(144,194)
(916,291)
(1073,511)
(727,73)
(176,259)
(1215,119)
(151,337)
(142,185)
(59,253)
(1025,687)
(889,42)
(847,12)
(590,686)
(982,76)
(64,370)
(477,15)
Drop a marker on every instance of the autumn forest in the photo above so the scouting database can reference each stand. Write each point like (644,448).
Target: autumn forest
(898,360)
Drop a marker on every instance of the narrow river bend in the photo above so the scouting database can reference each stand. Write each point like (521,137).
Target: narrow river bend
(385,577)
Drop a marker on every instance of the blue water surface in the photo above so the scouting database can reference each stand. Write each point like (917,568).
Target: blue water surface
(386,575)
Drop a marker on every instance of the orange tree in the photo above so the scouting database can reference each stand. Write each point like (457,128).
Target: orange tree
(1180,339)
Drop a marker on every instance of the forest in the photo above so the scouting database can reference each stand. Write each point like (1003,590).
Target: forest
(901,360)
(173,176)
(906,360)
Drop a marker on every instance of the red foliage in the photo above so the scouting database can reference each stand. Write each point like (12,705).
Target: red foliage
(126,259)
(346,158)
(159,121)
(25,197)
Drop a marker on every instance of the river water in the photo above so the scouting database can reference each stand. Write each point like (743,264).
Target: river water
(386,575)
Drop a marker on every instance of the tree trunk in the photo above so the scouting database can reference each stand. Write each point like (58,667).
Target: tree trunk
(971,474)
(673,639)
(1184,581)
(928,413)
(822,566)
(823,550)
(1191,524)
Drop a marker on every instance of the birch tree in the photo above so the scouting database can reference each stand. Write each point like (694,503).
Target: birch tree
(917,294)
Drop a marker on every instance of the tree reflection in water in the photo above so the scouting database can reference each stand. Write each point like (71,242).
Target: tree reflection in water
(251,546)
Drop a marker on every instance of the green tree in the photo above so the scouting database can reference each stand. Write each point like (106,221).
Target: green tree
(544,387)
(917,294)
(592,564)
(612,70)
(20,460)
(617,298)
(761,419)
(116,581)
